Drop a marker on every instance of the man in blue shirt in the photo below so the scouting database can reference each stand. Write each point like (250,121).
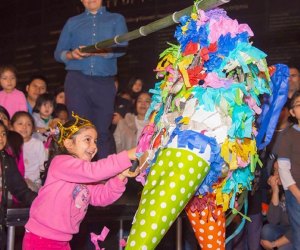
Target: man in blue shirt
(89,84)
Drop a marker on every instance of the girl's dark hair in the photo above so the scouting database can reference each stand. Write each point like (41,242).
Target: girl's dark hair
(5,112)
(44,98)
(19,114)
(131,82)
(59,90)
(9,67)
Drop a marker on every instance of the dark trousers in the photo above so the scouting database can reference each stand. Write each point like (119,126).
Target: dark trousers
(93,97)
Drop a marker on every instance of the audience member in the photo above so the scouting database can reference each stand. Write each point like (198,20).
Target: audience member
(60,114)
(4,116)
(11,98)
(59,95)
(294,80)
(289,171)
(130,128)
(37,86)
(10,176)
(135,87)
(42,115)
(89,84)
(277,233)
(33,149)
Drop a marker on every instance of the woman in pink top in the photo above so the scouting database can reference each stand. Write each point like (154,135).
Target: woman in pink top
(11,98)
(70,187)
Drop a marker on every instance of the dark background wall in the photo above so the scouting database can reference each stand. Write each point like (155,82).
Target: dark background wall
(30,29)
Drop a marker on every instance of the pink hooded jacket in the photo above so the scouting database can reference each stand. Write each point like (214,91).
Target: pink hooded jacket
(63,201)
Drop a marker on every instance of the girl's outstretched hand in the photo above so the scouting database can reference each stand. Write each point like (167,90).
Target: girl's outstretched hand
(126,173)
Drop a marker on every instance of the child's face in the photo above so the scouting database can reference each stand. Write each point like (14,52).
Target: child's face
(84,144)
(3,137)
(142,104)
(63,116)
(4,119)
(24,127)
(46,110)
(8,81)
(295,111)
(137,86)
(60,98)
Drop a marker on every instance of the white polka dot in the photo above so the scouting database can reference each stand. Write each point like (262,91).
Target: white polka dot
(170,223)
(172,184)
(142,222)
(190,158)
(191,183)
(153,183)
(160,153)
(164,218)
(146,191)
(182,177)
(162,193)
(210,237)
(153,172)
(191,170)
(219,212)
(201,230)
(152,191)
(178,154)
(193,222)
(143,234)
(144,248)
(163,205)
(201,238)
(209,245)
(202,222)
(193,214)
(133,231)
(152,213)
(199,176)
(171,173)
(212,219)
(200,163)
(168,153)
(154,239)
(163,231)
(180,165)
(143,211)
(218,248)
(219,233)
(182,190)
(219,242)
(162,173)
(173,211)
(132,243)
(154,226)
(211,228)
(219,223)
(201,245)
(206,169)
(162,182)
(160,163)
(173,197)
(152,202)
(181,203)
(143,201)
(203,213)
(171,164)
(189,195)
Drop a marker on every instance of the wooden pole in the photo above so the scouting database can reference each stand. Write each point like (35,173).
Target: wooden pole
(151,27)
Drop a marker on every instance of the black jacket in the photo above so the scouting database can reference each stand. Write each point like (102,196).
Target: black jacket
(13,182)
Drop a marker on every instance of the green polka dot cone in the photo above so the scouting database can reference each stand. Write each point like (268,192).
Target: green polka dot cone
(171,182)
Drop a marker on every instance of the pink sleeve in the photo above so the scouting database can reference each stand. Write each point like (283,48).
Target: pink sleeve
(71,169)
(108,193)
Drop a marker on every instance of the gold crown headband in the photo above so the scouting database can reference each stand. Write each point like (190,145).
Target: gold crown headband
(67,132)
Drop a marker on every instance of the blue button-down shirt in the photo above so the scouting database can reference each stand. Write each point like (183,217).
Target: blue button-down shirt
(87,29)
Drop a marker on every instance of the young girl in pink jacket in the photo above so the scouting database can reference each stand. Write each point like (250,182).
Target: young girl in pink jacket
(62,202)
